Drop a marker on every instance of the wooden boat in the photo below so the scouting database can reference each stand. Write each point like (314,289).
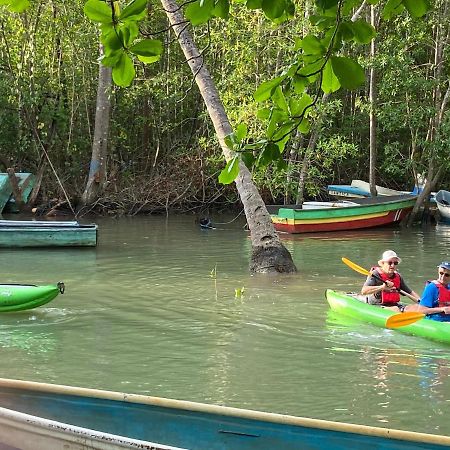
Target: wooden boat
(349,305)
(443,203)
(18,297)
(359,189)
(25,182)
(40,233)
(37,416)
(366,213)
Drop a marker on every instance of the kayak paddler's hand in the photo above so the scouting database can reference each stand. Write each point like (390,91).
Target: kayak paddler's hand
(446,310)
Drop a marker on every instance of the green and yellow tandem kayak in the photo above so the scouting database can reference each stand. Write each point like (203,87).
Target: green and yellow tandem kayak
(18,297)
(348,305)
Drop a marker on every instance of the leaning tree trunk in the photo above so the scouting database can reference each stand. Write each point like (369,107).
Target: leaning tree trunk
(97,170)
(268,253)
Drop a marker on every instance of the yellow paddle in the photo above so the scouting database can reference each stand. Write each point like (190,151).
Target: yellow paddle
(396,320)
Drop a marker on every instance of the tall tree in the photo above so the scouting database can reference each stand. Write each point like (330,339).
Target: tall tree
(97,171)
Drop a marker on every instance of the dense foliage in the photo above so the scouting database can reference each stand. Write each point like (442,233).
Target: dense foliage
(163,151)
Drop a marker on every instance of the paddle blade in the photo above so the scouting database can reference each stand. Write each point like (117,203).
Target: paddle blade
(403,319)
(355,267)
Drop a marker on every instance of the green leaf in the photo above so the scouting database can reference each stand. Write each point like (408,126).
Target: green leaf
(266,89)
(330,82)
(311,45)
(231,171)
(5,2)
(241,132)
(363,32)
(19,6)
(254,4)
(304,126)
(349,72)
(276,117)
(123,72)
(98,11)
(417,8)
(391,9)
(299,84)
(263,113)
(248,159)
(270,153)
(222,9)
(129,32)
(279,99)
(135,10)
(199,12)
(273,8)
(111,42)
(312,69)
(111,60)
(326,4)
(298,107)
(147,48)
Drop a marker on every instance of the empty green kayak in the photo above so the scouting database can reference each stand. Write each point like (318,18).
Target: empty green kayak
(17,297)
(348,304)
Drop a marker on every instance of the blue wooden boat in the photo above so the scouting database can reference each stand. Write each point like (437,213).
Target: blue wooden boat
(36,416)
(42,233)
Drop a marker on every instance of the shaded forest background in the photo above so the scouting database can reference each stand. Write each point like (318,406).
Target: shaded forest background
(163,152)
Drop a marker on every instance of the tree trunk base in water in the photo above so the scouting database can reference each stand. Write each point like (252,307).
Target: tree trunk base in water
(271,260)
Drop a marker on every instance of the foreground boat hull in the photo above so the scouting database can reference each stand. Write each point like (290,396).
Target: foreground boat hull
(380,213)
(19,297)
(349,306)
(120,420)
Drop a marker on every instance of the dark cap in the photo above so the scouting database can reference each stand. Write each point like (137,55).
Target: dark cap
(445,265)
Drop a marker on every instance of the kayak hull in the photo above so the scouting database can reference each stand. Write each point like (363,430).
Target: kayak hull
(348,305)
(19,297)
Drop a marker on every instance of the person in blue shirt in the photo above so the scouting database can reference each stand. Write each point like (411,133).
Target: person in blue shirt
(437,293)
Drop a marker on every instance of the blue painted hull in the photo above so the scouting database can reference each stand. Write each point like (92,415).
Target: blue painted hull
(198,426)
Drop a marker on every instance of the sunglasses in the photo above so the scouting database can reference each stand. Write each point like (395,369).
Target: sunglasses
(392,263)
(443,274)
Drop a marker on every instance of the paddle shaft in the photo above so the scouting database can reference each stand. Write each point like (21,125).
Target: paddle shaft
(399,290)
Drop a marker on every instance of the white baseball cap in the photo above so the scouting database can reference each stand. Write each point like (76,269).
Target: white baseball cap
(389,254)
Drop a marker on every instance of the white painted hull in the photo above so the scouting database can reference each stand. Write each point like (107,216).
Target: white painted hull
(20,431)
(443,204)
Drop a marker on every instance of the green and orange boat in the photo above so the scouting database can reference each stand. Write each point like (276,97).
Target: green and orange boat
(313,217)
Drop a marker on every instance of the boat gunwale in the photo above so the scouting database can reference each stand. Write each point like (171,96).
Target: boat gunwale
(262,416)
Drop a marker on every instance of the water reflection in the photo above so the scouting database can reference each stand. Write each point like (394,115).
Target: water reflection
(141,313)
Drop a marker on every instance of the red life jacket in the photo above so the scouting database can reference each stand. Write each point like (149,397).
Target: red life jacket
(444,294)
(389,298)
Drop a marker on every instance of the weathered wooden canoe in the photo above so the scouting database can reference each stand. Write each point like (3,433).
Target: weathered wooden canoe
(367,213)
(443,204)
(349,305)
(39,233)
(25,182)
(18,297)
(36,416)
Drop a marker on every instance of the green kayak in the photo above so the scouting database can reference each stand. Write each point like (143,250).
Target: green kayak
(349,305)
(17,297)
